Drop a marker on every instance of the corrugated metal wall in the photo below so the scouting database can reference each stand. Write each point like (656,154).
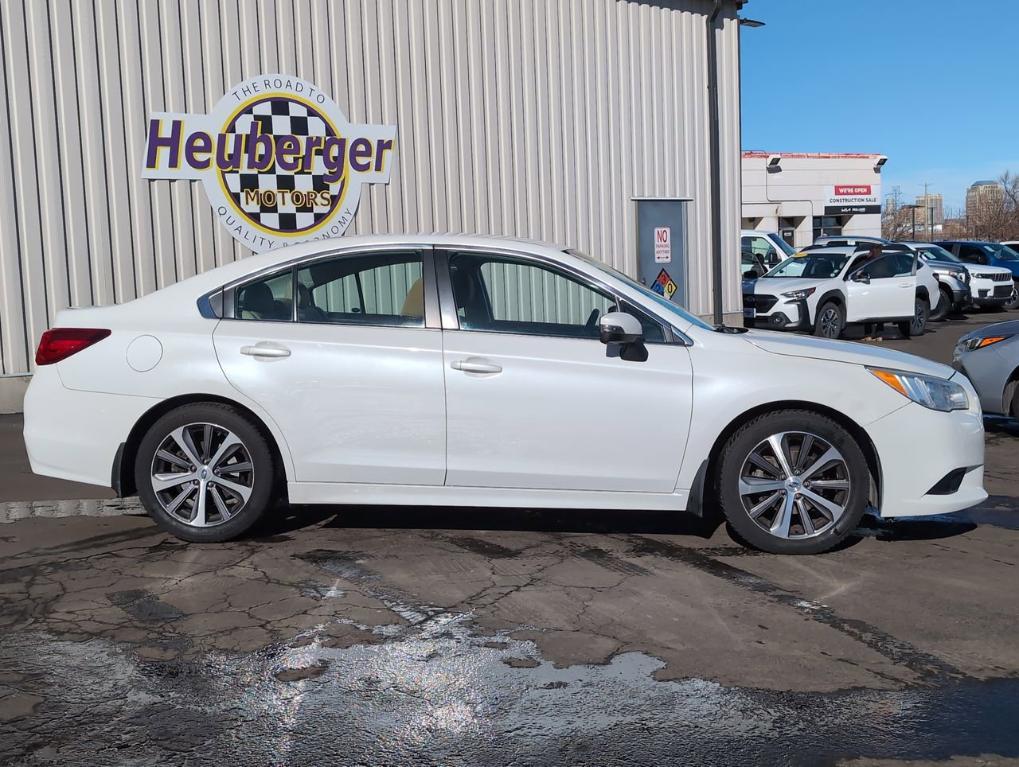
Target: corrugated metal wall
(538,118)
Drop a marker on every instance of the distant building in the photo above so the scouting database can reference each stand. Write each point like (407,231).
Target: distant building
(930,211)
(803,196)
(982,197)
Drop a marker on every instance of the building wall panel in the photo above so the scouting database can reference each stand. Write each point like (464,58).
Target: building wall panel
(535,118)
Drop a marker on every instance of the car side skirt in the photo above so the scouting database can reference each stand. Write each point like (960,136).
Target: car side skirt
(424,495)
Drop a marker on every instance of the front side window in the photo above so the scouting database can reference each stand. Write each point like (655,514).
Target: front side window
(972,254)
(371,289)
(267,298)
(888,266)
(508,295)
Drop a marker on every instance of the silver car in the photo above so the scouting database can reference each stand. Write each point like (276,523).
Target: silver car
(989,357)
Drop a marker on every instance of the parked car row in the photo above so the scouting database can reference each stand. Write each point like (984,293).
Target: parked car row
(846,280)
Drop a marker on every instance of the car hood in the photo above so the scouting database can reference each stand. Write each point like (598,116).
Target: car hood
(844,351)
(987,269)
(779,285)
(1007,328)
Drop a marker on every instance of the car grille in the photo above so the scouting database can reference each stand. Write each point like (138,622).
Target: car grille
(760,302)
(994,277)
(1002,291)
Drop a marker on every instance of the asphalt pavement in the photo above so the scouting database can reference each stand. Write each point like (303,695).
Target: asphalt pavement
(383,635)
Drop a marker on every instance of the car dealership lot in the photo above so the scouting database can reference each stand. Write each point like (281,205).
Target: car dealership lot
(388,635)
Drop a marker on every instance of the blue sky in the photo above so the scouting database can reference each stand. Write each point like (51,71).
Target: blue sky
(932,84)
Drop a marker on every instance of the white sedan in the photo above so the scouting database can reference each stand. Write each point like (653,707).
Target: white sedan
(472,371)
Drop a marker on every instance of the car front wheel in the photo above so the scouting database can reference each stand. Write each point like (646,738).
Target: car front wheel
(793,482)
(944,306)
(1013,301)
(204,472)
(829,321)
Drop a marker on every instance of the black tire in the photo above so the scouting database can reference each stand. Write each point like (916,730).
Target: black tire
(1013,302)
(748,438)
(259,479)
(830,320)
(944,306)
(917,325)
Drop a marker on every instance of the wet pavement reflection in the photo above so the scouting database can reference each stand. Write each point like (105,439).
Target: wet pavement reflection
(475,637)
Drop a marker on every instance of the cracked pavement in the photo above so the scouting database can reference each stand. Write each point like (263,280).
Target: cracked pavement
(379,635)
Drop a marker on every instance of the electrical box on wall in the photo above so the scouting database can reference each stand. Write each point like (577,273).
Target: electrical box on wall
(661,247)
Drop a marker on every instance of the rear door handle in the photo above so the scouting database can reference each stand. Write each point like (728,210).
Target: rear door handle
(476,365)
(265,349)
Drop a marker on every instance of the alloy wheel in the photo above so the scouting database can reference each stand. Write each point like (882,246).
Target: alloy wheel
(795,485)
(202,474)
(919,322)
(830,322)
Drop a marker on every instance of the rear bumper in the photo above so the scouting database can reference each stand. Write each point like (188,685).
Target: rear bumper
(932,462)
(75,435)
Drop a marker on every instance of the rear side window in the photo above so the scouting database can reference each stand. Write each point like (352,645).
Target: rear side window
(372,289)
(270,299)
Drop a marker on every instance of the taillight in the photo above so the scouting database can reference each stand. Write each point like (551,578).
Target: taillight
(60,343)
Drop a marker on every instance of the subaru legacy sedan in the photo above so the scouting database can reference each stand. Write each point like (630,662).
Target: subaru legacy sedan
(472,371)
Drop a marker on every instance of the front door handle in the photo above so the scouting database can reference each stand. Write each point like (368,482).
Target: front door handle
(476,365)
(265,349)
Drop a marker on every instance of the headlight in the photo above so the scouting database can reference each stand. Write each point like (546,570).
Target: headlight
(799,295)
(935,393)
(972,344)
(960,276)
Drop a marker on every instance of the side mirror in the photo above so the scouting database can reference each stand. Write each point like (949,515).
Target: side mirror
(620,328)
(861,277)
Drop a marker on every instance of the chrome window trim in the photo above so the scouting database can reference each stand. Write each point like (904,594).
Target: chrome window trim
(431,321)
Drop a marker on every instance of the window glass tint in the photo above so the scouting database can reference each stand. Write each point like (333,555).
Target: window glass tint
(882,268)
(379,289)
(269,298)
(507,295)
(902,264)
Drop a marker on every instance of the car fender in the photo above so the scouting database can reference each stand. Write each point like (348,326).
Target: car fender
(831,294)
(720,395)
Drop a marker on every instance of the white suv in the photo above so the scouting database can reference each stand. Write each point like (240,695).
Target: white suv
(826,288)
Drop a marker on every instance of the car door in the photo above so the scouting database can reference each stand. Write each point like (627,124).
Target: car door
(535,400)
(351,371)
(884,288)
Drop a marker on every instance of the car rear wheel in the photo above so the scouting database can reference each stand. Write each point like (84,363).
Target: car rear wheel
(829,321)
(917,325)
(793,482)
(204,472)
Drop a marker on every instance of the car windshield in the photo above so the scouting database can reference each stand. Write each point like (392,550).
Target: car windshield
(1002,252)
(660,300)
(784,246)
(817,266)
(938,253)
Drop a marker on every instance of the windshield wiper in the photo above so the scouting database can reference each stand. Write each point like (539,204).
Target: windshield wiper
(728,329)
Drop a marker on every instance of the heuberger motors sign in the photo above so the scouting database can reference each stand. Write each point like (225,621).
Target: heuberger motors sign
(279,161)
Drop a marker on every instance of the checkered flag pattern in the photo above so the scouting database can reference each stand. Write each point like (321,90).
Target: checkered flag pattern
(278,117)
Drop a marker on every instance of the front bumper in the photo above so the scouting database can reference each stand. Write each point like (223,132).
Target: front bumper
(790,314)
(931,462)
(988,293)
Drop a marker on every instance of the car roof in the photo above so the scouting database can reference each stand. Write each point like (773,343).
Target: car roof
(844,249)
